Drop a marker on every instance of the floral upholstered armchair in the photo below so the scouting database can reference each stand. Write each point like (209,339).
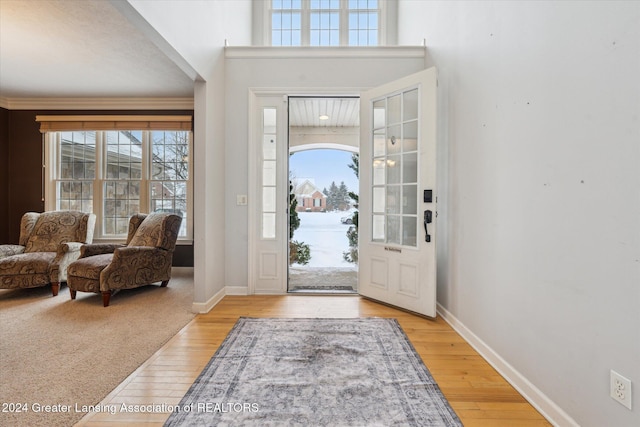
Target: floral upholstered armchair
(48,243)
(144,259)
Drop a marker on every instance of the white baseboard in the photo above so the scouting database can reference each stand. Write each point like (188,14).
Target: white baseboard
(205,307)
(552,412)
(237,290)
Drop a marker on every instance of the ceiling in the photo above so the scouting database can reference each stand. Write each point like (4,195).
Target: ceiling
(88,49)
(341,112)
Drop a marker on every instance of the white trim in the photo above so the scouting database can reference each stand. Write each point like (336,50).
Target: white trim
(549,409)
(97,103)
(112,118)
(308,92)
(298,52)
(237,290)
(324,145)
(252,227)
(205,307)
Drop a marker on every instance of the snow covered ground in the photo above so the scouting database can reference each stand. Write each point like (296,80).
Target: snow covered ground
(326,237)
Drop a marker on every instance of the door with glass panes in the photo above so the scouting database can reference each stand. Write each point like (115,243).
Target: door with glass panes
(397,238)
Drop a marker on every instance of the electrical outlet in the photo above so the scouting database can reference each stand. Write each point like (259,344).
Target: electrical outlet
(620,389)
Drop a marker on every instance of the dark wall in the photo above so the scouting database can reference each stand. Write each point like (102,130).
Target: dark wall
(25,170)
(4,175)
(21,146)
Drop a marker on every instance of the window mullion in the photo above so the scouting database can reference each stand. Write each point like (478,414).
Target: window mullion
(51,169)
(98,183)
(382,22)
(344,22)
(305,23)
(145,179)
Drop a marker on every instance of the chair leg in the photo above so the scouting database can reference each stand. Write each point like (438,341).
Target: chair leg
(106,296)
(73,293)
(55,287)
(164,283)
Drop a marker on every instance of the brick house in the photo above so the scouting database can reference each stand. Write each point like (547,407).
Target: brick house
(309,197)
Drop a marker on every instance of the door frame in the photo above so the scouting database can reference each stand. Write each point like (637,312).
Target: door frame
(254,95)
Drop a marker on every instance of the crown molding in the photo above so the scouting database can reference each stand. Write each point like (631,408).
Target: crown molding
(96,103)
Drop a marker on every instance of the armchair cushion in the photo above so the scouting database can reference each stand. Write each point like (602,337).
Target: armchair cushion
(54,228)
(9,250)
(27,223)
(158,230)
(26,270)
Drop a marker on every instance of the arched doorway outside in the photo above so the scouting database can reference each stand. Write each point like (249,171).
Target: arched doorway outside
(323,220)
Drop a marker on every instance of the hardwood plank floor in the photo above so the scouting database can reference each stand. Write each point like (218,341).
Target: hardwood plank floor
(478,394)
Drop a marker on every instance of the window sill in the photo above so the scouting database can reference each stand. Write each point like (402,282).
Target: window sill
(284,52)
(180,242)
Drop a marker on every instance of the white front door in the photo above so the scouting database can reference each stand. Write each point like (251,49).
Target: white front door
(397,213)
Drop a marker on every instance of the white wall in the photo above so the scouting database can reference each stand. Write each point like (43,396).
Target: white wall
(541,119)
(196,30)
(300,74)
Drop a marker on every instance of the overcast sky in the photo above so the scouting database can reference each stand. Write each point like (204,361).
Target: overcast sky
(324,166)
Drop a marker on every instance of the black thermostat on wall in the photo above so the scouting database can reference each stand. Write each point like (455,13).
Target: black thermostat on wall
(428,198)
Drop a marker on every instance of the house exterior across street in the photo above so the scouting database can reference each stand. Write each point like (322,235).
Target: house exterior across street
(310,198)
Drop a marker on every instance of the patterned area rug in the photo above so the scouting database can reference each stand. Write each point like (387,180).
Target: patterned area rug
(315,372)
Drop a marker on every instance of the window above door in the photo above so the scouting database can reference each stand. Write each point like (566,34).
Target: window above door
(325,22)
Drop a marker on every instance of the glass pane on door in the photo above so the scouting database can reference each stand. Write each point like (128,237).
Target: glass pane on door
(395,169)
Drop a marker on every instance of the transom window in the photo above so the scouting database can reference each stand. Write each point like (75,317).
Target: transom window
(117,173)
(325,22)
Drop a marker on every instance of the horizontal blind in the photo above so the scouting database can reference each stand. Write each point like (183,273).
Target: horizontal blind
(80,123)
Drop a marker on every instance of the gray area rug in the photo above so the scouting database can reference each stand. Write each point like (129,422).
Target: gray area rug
(315,372)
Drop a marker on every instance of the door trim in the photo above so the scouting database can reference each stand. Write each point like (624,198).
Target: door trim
(253,255)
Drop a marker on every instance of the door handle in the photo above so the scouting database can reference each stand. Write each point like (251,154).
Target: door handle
(428,218)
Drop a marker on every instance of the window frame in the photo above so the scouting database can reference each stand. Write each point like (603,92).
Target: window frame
(387,24)
(52,164)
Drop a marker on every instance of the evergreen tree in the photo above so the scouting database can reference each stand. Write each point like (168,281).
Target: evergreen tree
(342,197)
(294,219)
(352,233)
(299,252)
(332,197)
(355,164)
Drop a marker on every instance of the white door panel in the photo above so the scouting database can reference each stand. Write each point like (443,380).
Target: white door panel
(397,163)
(267,198)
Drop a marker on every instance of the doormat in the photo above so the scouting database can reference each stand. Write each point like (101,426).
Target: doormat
(324,289)
(320,372)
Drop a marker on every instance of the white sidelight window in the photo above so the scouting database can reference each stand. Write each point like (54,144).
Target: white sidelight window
(269,173)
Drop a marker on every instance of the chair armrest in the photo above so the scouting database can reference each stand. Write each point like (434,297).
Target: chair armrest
(69,247)
(130,253)
(9,250)
(65,255)
(99,249)
(134,266)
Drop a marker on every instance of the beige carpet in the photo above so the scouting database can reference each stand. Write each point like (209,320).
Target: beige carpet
(54,351)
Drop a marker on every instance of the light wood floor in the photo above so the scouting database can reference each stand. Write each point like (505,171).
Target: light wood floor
(478,394)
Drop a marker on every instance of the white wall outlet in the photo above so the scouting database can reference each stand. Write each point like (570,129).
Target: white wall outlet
(241,199)
(621,389)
